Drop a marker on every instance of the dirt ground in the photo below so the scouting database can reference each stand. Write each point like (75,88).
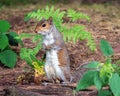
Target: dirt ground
(105,24)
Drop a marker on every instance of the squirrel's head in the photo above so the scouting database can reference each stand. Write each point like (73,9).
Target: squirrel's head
(44,26)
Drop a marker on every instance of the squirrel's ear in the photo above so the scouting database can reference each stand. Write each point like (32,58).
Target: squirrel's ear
(50,20)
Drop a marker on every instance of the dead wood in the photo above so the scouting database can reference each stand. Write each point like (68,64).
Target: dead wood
(16,91)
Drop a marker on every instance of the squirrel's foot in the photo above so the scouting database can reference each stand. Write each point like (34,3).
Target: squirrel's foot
(65,82)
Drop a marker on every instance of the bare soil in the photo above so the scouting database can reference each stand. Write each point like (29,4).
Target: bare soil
(105,24)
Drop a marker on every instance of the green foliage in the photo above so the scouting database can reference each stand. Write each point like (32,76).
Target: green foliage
(106,48)
(12,36)
(8,58)
(29,55)
(117,67)
(97,81)
(76,15)
(25,35)
(106,70)
(3,42)
(7,39)
(26,54)
(90,78)
(4,26)
(46,13)
(93,64)
(114,84)
(87,80)
(104,74)
(105,93)
(73,33)
(78,33)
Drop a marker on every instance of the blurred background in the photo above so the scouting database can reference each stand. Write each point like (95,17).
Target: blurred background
(21,2)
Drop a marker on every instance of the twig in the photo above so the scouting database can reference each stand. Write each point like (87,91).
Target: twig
(81,65)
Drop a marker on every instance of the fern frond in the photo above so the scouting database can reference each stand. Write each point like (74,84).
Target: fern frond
(73,33)
(76,15)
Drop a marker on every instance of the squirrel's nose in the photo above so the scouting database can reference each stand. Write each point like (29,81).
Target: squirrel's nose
(35,31)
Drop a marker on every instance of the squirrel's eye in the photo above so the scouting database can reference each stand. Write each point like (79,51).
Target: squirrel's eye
(43,25)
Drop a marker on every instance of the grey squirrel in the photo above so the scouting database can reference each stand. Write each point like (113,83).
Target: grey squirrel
(57,64)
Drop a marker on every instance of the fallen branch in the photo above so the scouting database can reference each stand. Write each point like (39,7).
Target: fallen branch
(15,91)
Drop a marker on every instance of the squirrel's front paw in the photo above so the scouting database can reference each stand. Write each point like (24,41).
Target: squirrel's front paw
(46,47)
(57,48)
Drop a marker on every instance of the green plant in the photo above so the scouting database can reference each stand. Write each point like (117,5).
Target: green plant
(76,15)
(7,39)
(73,33)
(29,55)
(102,74)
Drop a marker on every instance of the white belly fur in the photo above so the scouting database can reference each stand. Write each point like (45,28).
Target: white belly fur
(48,39)
(52,67)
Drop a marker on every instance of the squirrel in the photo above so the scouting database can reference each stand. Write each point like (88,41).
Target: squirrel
(57,64)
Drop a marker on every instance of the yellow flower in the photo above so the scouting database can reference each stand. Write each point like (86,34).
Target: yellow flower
(38,69)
